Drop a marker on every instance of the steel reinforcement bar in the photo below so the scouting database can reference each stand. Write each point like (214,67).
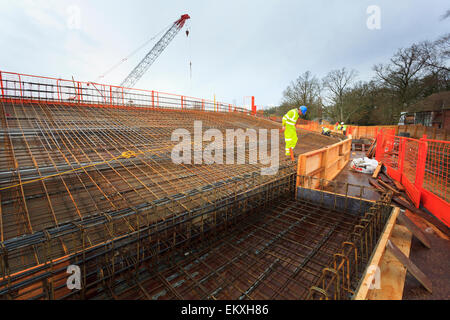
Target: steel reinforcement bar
(125,252)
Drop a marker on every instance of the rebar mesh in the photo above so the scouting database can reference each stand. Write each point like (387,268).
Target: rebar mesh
(74,178)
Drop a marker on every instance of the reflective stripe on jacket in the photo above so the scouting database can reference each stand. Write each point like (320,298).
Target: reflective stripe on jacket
(290,118)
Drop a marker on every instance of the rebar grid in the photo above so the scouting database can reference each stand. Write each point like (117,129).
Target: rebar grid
(275,255)
(243,248)
(283,252)
(75,178)
(125,253)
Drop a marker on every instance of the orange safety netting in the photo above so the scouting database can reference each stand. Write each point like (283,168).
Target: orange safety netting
(422,166)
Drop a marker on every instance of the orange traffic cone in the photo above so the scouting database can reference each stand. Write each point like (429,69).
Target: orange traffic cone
(292,154)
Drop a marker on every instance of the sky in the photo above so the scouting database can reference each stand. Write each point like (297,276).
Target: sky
(238,48)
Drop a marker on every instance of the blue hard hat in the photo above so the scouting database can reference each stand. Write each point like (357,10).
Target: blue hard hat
(303,109)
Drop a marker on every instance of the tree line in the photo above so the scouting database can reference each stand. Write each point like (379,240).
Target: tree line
(411,74)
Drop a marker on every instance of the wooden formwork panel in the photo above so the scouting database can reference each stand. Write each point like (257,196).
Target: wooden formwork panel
(325,163)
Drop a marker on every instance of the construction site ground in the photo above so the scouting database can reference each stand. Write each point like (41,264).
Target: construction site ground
(434,262)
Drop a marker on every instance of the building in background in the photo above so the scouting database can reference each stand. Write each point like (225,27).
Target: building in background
(433,111)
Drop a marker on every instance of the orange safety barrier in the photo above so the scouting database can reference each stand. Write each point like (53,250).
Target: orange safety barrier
(368,132)
(37,89)
(317,127)
(418,130)
(312,125)
(371,132)
(422,166)
(357,132)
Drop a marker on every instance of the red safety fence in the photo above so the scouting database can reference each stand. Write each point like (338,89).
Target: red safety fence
(36,89)
(422,167)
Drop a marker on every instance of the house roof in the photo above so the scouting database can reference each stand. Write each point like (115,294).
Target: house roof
(435,102)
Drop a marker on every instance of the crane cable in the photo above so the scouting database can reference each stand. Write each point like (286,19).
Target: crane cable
(133,53)
(189,53)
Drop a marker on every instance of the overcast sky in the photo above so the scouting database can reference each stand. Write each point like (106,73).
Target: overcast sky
(237,48)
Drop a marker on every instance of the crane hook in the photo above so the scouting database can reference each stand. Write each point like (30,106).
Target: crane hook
(187,32)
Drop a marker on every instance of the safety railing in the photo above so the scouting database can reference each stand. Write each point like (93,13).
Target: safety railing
(422,166)
(37,89)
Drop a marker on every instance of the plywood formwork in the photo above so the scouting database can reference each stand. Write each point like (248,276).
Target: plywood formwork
(324,163)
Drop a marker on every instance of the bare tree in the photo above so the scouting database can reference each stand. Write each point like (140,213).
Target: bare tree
(443,46)
(411,74)
(338,82)
(402,73)
(305,90)
(436,54)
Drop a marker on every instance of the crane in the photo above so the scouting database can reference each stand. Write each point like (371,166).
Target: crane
(159,47)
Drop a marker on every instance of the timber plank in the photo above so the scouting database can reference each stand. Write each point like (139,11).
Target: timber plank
(367,279)
(414,229)
(392,271)
(412,268)
(377,170)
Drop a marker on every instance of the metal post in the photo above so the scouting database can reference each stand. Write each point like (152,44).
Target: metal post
(420,169)
(20,84)
(153,99)
(1,84)
(253,106)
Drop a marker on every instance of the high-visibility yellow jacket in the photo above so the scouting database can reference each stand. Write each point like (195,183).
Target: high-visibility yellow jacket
(290,118)
(290,134)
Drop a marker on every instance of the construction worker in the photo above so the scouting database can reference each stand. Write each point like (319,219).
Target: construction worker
(336,126)
(344,128)
(290,132)
(326,131)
